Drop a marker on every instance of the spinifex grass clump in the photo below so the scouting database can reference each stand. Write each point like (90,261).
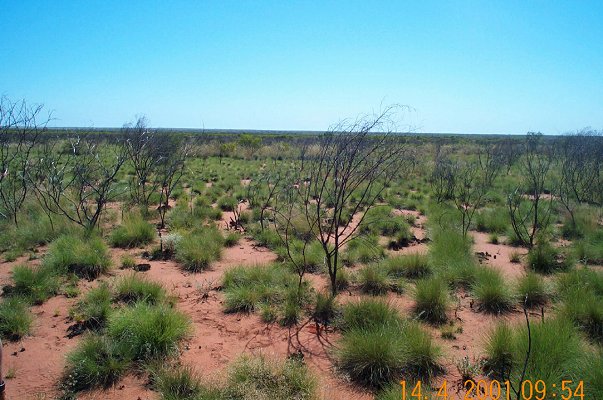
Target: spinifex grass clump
(134,288)
(373,280)
(179,382)
(36,284)
(326,308)
(93,310)
(431,300)
(198,249)
(556,353)
(96,362)
(363,250)
(581,293)
(147,332)
(15,318)
(531,290)
(378,347)
(411,266)
(87,257)
(491,292)
(133,232)
(545,259)
(273,288)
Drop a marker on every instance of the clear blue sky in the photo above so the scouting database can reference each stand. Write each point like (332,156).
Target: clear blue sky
(467,66)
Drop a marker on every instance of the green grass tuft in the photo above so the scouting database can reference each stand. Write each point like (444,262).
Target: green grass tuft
(133,232)
(15,318)
(431,300)
(85,257)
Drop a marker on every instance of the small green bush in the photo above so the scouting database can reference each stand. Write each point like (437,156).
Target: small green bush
(364,249)
(531,290)
(585,309)
(94,309)
(412,266)
(134,288)
(148,332)
(373,280)
(133,232)
(543,258)
(95,362)
(15,318)
(231,239)
(127,262)
(492,292)
(368,313)
(34,283)
(197,250)
(326,308)
(85,257)
(431,300)
(227,203)
(259,378)
(178,383)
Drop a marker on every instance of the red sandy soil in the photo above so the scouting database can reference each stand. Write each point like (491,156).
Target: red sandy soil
(220,338)
(500,255)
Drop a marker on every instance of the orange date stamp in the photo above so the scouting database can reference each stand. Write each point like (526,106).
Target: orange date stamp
(499,390)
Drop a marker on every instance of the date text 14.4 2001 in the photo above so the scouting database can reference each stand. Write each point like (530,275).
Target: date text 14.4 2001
(496,390)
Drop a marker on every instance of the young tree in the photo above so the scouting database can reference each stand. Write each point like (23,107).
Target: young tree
(20,127)
(352,161)
(144,151)
(528,221)
(471,184)
(79,182)
(170,171)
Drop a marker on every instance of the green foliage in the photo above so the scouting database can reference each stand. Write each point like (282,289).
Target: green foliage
(431,300)
(493,220)
(247,288)
(412,266)
(381,354)
(95,362)
(363,249)
(326,308)
(227,203)
(543,258)
(492,292)
(259,378)
(531,290)
(148,332)
(198,249)
(367,314)
(94,308)
(178,383)
(373,280)
(36,284)
(133,232)
(231,239)
(556,352)
(86,257)
(585,309)
(15,318)
(134,288)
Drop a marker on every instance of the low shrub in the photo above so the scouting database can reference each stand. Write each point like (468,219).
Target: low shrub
(227,203)
(326,308)
(134,288)
(95,362)
(85,257)
(148,332)
(373,280)
(531,290)
(133,232)
(15,318)
(197,250)
(412,266)
(431,300)
(93,310)
(35,284)
(492,293)
(260,378)
(545,259)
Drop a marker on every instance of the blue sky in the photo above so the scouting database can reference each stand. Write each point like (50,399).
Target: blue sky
(467,66)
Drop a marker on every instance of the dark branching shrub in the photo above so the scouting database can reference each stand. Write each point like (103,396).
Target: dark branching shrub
(87,257)
(431,300)
(133,232)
